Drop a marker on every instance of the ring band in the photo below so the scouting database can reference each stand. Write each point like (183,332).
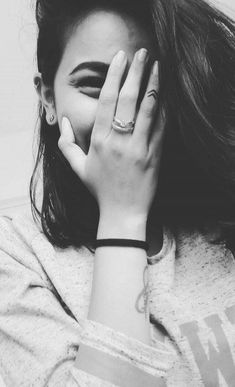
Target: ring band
(122,130)
(122,126)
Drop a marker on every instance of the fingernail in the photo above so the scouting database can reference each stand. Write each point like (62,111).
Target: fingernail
(155,68)
(142,54)
(64,122)
(66,128)
(120,58)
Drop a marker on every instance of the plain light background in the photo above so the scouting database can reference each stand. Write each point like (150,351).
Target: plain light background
(18,100)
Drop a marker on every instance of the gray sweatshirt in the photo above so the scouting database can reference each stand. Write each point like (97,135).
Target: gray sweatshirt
(44,301)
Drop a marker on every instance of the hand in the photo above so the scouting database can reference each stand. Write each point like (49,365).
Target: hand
(121,169)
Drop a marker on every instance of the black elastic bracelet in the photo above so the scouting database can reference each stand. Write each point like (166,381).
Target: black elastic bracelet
(122,243)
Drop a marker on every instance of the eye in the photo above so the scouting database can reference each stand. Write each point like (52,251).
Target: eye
(90,86)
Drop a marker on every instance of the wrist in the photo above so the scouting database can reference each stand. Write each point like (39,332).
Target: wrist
(121,225)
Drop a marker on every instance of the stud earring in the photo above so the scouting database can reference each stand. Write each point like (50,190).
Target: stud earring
(52,117)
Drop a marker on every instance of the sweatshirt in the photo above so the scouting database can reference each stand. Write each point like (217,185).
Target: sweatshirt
(44,301)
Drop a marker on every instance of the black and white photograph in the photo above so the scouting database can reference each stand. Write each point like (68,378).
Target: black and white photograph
(117,193)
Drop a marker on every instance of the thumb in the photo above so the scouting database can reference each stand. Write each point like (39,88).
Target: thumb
(72,152)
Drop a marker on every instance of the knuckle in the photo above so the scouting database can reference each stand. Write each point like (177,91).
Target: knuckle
(101,120)
(97,143)
(116,150)
(127,97)
(107,98)
(147,109)
(139,156)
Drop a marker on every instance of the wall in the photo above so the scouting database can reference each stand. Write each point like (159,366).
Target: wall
(18,99)
(18,102)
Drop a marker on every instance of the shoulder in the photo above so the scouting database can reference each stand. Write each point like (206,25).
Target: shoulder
(23,244)
(17,235)
(18,228)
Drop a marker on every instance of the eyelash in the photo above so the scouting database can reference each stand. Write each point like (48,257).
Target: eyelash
(90,82)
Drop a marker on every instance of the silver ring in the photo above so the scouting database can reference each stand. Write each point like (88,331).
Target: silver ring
(122,126)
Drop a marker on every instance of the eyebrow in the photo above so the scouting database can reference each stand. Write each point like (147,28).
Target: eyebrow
(100,67)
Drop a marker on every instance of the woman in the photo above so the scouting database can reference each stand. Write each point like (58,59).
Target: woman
(128,278)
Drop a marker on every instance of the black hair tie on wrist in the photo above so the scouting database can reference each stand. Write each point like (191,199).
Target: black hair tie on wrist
(122,242)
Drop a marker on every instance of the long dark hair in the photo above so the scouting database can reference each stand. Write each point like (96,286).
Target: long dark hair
(196,50)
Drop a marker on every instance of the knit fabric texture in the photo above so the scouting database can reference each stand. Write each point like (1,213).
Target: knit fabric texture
(45,295)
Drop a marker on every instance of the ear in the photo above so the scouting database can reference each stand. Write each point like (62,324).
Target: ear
(46,96)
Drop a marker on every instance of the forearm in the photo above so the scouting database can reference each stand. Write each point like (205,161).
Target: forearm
(119,294)
(119,301)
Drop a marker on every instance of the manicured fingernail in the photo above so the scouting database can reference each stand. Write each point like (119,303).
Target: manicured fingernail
(142,54)
(155,68)
(120,58)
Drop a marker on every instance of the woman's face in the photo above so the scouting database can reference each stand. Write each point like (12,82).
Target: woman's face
(88,53)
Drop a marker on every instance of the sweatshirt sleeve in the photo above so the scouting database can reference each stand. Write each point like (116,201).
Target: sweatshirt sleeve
(130,362)
(40,340)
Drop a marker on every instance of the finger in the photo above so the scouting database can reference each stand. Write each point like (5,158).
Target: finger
(71,151)
(128,96)
(148,109)
(108,96)
(157,134)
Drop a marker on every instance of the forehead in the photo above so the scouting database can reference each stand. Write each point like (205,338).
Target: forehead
(101,34)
